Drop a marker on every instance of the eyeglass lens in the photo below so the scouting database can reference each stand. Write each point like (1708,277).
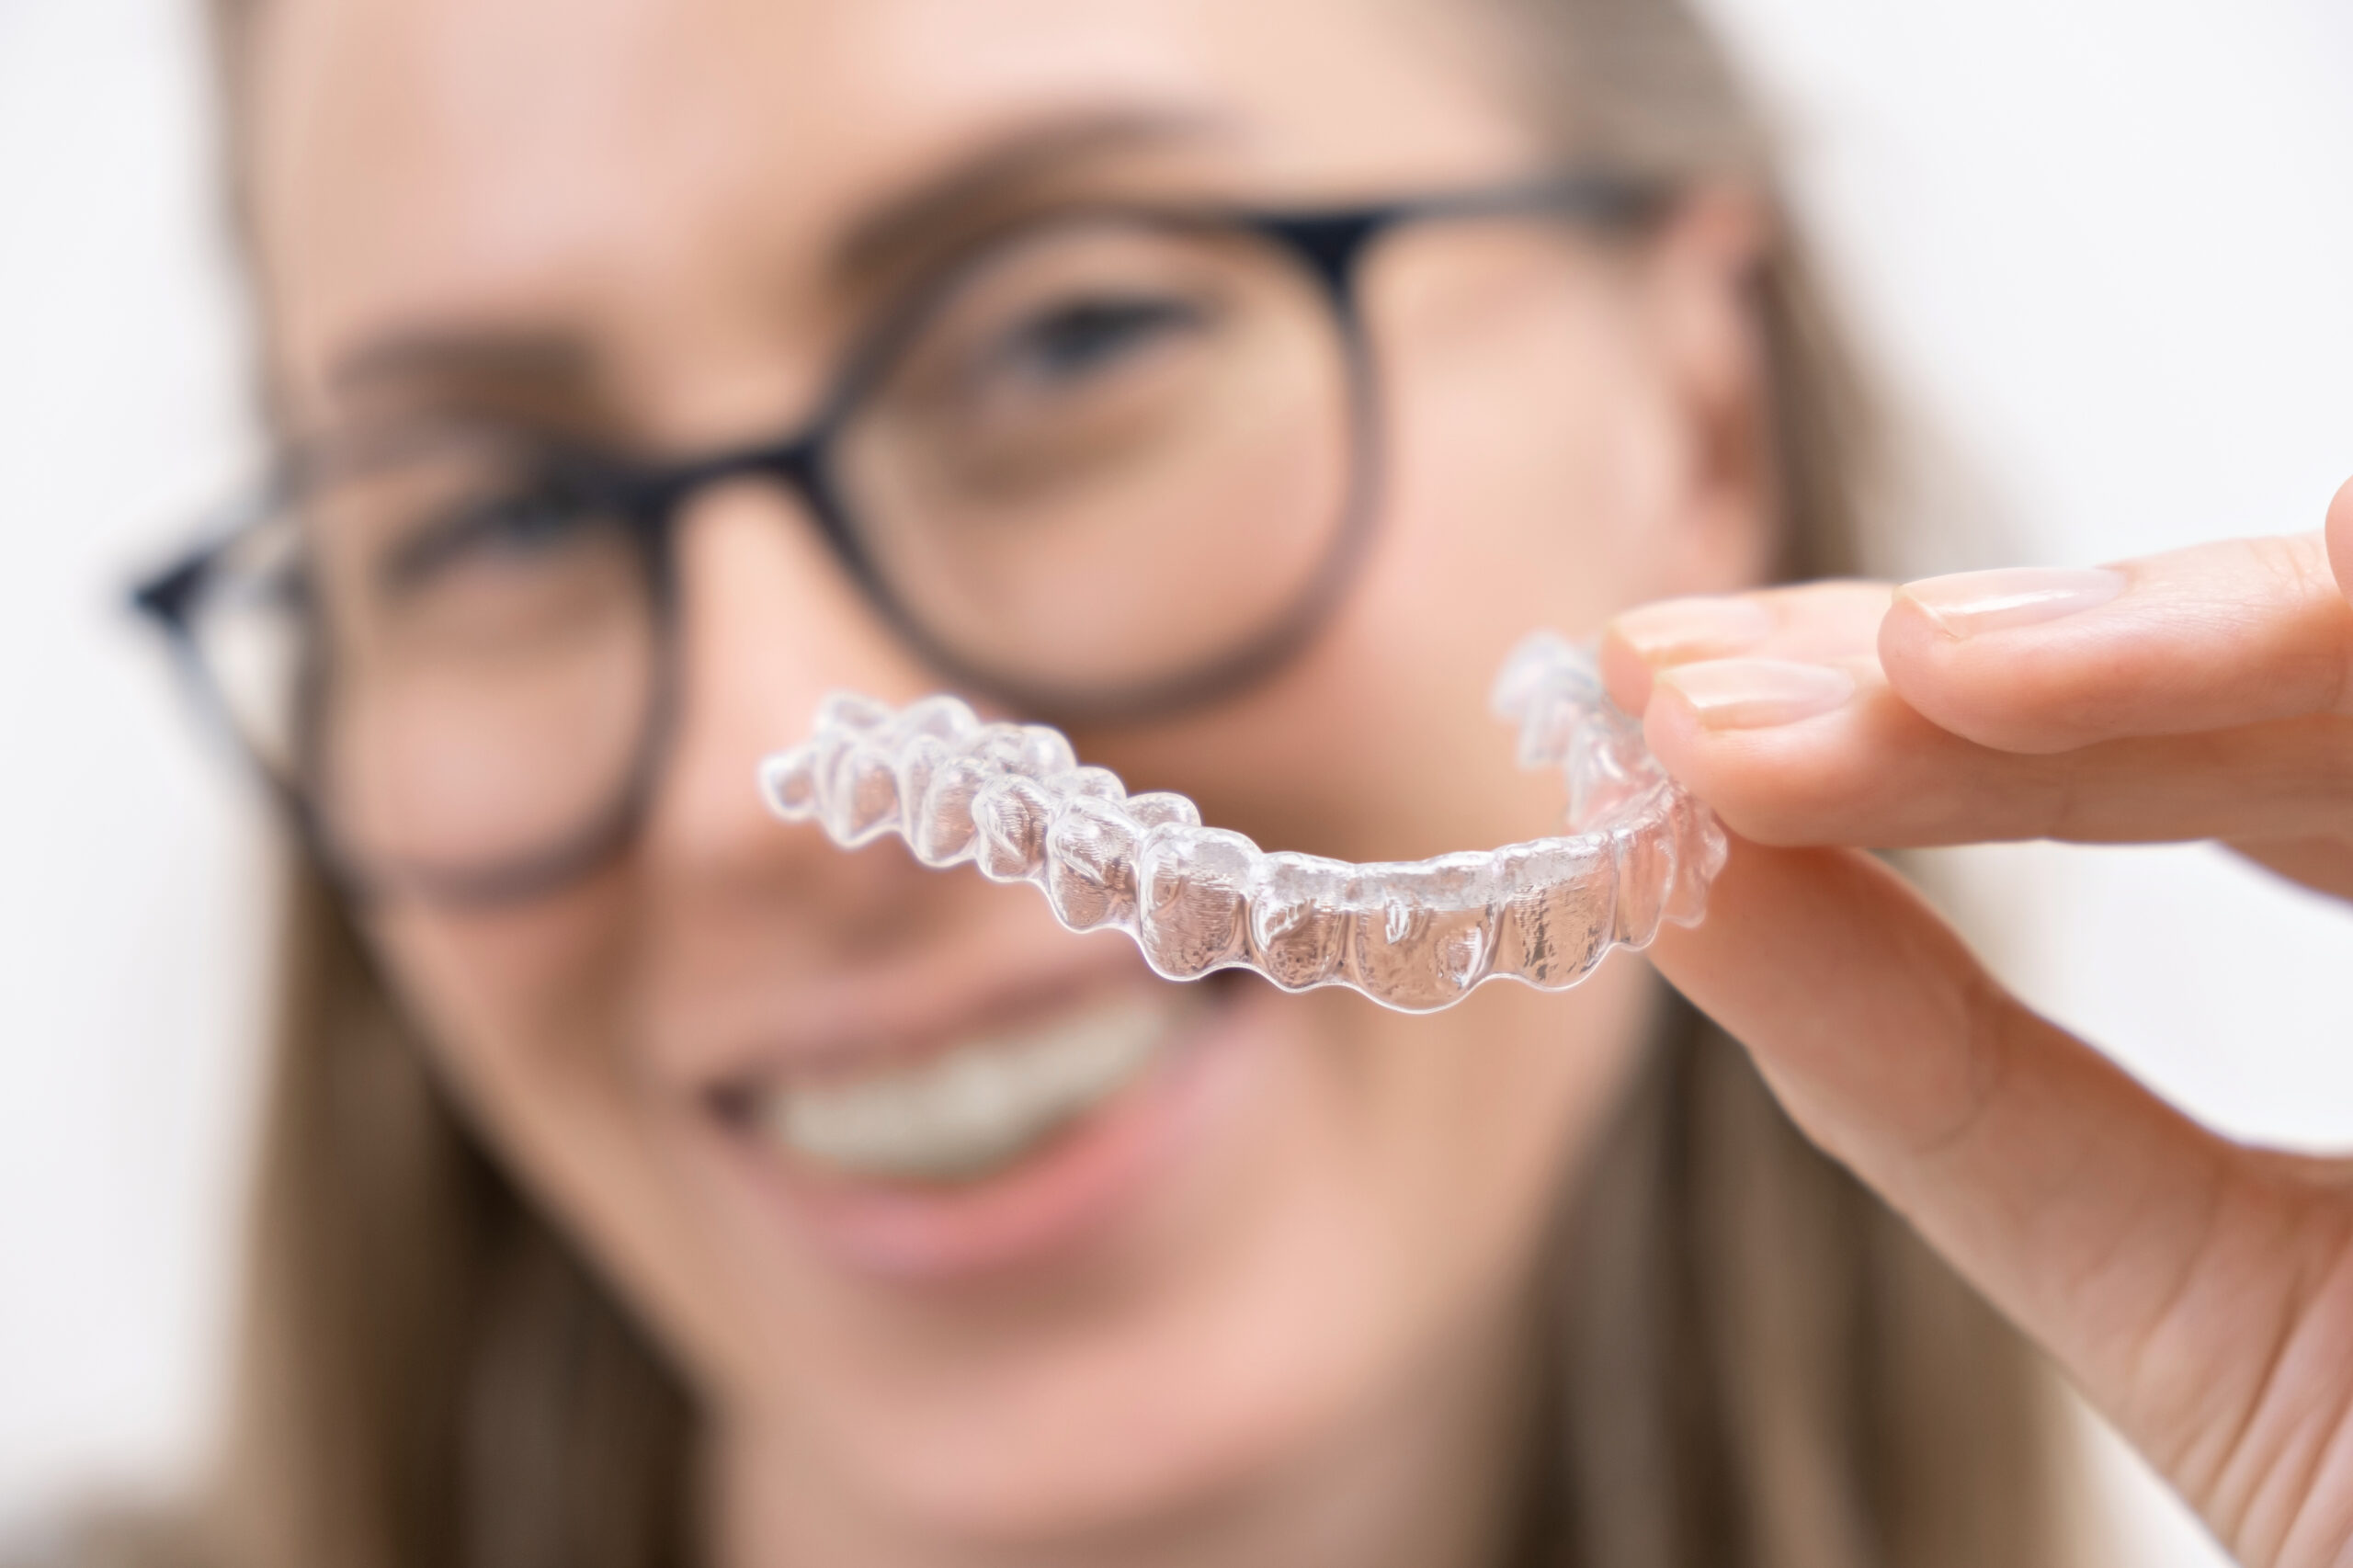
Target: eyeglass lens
(1110,451)
(1115,452)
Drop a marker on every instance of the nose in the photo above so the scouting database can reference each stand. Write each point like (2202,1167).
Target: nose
(768,622)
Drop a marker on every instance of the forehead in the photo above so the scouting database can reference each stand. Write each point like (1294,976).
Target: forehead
(422,162)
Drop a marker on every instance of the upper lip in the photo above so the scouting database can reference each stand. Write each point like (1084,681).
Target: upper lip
(883,1016)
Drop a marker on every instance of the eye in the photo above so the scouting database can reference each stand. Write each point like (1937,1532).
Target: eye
(518,529)
(1079,339)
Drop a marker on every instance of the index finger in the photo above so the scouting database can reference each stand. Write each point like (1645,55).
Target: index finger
(2210,638)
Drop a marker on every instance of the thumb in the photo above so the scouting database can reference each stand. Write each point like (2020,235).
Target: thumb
(2174,1275)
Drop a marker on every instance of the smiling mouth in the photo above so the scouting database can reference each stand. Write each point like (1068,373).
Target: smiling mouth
(975,1108)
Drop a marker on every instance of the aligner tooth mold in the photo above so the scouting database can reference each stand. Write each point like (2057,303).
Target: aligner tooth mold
(1413,936)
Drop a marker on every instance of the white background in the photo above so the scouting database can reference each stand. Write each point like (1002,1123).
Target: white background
(2106,250)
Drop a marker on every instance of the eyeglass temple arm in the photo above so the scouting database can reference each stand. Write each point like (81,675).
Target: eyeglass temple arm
(164,596)
(1597,194)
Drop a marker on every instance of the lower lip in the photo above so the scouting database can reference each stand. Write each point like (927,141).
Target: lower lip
(1051,1203)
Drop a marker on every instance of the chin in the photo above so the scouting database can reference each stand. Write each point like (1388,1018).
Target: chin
(1097,1442)
(1124,1324)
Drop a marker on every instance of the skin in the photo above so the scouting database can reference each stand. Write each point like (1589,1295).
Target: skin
(2200,1292)
(1296,1345)
(1295,1341)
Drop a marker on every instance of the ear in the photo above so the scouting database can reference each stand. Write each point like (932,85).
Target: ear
(1701,280)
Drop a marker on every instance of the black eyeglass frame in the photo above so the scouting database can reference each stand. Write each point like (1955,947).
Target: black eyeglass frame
(1331,243)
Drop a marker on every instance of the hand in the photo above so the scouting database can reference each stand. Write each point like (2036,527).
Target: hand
(2200,1292)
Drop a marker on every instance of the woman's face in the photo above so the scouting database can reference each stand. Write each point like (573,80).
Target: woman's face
(1297,1212)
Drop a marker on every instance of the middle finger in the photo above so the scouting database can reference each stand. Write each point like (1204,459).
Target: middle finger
(1798,738)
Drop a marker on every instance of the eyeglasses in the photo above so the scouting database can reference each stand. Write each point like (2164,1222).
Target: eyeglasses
(1118,461)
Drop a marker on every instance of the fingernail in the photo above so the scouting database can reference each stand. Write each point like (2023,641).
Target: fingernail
(1697,628)
(1755,694)
(1967,603)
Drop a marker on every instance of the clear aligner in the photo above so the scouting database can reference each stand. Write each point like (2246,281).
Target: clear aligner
(1415,936)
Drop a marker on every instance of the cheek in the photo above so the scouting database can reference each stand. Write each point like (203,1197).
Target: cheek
(1527,472)
(526,1017)
(1479,1112)
(1534,458)
(519,1010)
(520,998)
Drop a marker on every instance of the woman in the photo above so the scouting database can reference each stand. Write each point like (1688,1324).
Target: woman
(1232,384)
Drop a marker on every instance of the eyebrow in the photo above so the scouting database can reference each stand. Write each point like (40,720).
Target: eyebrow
(519,360)
(894,237)
(924,222)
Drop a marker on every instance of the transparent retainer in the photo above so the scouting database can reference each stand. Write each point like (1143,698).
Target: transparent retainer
(1414,936)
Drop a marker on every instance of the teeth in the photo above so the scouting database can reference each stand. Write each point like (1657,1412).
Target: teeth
(1011,814)
(868,803)
(1298,924)
(1426,933)
(977,1108)
(1646,868)
(1558,900)
(1700,850)
(943,718)
(859,715)
(944,829)
(1414,937)
(1192,897)
(1090,863)
(788,782)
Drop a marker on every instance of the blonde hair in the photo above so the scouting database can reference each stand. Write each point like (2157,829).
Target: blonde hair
(1752,1363)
